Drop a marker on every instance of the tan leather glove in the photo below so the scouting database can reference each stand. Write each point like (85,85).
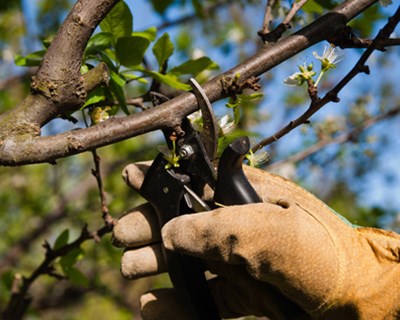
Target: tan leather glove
(290,257)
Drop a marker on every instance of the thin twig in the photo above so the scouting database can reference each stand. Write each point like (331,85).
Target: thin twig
(296,6)
(332,95)
(20,300)
(267,18)
(345,137)
(277,33)
(108,220)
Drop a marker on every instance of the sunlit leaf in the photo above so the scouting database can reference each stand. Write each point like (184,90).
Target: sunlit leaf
(194,67)
(163,49)
(119,21)
(31,60)
(169,79)
(95,96)
(150,34)
(99,42)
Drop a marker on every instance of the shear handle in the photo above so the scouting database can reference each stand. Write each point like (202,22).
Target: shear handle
(232,187)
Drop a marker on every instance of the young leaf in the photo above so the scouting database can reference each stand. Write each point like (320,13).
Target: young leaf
(168,79)
(61,240)
(150,34)
(130,50)
(70,259)
(119,21)
(31,60)
(94,96)
(163,49)
(194,67)
(99,42)
(76,276)
(116,85)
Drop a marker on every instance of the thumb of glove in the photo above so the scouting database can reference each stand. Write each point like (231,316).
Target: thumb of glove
(225,234)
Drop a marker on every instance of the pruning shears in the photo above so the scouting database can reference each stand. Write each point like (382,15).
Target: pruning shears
(176,189)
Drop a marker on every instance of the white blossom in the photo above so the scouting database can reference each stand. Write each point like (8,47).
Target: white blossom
(226,125)
(330,57)
(294,80)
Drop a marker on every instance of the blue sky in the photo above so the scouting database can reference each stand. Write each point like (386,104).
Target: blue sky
(382,186)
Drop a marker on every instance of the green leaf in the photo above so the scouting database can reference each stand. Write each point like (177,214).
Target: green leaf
(168,79)
(107,60)
(116,86)
(163,49)
(130,50)
(70,259)
(31,60)
(99,42)
(95,96)
(76,277)
(119,21)
(194,67)
(117,78)
(61,240)
(253,96)
(150,34)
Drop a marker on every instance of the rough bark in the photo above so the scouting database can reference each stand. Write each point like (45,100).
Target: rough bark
(24,145)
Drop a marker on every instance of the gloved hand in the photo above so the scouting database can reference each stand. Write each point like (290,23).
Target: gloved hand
(290,257)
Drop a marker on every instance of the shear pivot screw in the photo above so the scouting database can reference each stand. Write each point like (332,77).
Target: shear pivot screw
(186,151)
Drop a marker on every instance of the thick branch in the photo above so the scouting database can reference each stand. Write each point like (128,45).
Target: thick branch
(47,149)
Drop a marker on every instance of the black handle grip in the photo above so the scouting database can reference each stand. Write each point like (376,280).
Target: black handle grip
(232,185)
(165,193)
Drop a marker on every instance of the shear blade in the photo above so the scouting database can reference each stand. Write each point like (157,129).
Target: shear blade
(209,135)
(194,201)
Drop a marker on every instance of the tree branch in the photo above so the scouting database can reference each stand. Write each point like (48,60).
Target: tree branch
(17,151)
(275,34)
(342,138)
(332,95)
(267,18)
(19,300)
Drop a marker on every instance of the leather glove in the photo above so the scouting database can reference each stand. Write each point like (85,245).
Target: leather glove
(290,257)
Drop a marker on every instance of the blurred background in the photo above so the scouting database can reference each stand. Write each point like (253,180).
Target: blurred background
(346,155)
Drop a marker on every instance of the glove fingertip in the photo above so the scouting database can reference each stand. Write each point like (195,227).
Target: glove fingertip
(178,233)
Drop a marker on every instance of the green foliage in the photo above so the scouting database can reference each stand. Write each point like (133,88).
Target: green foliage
(67,263)
(30,60)
(194,67)
(119,21)
(163,50)
(98,43)
(54,202)
(61,240)
(130,50)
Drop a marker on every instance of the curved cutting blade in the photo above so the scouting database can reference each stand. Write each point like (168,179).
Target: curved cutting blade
(209,135)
